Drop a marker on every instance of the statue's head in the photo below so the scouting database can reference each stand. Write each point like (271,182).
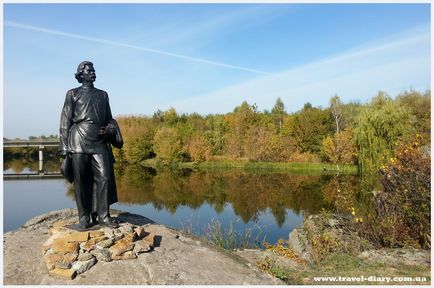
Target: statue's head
(86,72)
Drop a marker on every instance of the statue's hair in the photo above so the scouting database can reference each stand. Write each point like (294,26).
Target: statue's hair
(80,70)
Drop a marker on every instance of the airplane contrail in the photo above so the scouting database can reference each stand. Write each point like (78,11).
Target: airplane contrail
(120,44)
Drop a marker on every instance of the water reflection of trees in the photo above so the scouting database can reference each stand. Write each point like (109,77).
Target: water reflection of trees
(250,194)
(51,164)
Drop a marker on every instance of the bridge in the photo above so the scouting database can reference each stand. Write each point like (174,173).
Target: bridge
(41,144)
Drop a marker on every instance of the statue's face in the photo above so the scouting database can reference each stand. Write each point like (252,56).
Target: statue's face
(88,74)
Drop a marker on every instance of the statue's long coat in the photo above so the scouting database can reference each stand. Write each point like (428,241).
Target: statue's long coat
(85,111)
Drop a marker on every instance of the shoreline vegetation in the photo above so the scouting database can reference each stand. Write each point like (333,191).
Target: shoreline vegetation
(342,134)
(249,166)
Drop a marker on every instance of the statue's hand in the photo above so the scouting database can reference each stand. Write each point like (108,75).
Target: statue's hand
(107,132)
(110,130)
(63,154)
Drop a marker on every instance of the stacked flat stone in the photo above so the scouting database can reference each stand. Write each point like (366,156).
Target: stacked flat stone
(68,253)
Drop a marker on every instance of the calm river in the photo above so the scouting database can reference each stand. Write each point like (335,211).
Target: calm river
(269,204)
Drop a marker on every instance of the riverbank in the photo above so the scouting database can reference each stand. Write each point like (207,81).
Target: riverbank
(176,259)
(347,169)
(332,253)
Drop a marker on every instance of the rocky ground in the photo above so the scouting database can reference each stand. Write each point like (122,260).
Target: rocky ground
(47,251)
(326,245)
(324,235)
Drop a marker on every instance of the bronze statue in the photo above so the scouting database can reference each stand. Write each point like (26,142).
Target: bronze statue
(87,131)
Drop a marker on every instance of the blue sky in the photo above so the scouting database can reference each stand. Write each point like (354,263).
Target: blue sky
(208,58)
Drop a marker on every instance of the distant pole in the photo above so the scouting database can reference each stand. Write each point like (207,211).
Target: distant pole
(41,160)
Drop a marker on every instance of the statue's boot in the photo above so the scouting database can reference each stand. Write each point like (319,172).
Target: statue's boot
(94,217)
(84,222)
(106,221)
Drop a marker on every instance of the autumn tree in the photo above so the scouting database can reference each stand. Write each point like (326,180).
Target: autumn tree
(198,148)
(137,133)
(349,115)
(419,104)
(243,117)
(335,108)
(137,149)
(340,148)
(216,133)
(170,116)
(256,142)
(309,127)
(278,113)
(168,145)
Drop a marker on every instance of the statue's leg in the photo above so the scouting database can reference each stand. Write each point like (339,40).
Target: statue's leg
(101,172)
(82,186)
(94,213)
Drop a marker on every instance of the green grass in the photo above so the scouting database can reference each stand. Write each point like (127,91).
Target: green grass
(258,166)
(227,238)
(344,265)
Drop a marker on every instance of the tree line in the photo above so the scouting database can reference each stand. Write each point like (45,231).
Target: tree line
(342,133)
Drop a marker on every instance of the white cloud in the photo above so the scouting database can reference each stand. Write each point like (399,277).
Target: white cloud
(394,65)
